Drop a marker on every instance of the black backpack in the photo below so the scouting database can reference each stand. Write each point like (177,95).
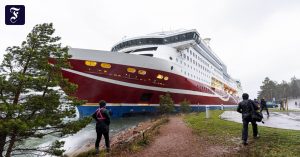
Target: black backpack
(256,116)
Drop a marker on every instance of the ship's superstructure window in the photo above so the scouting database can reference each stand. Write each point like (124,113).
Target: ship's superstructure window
(131,70)
(150,55)
(105,65)
(143,49)
(90,63)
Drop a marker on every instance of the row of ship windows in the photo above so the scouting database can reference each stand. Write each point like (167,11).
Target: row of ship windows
(195,56)
(198,71)
(196,77)
(189,58)
(129,69)
(199,65)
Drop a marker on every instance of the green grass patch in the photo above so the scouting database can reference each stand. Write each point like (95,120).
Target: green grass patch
(272,142)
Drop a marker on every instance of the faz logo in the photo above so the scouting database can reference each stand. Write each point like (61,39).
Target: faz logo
(14,14)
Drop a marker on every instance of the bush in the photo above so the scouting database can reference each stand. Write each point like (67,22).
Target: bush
(166,104)
(185,106)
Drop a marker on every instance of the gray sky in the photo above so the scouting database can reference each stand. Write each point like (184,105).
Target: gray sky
(254,38)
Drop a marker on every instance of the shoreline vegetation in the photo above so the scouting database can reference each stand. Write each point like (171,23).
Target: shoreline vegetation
(214,131)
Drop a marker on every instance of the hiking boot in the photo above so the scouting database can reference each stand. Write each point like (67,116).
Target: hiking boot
(97,150)
(245,143)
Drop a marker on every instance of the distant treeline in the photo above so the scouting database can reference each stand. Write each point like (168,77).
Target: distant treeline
(271,89)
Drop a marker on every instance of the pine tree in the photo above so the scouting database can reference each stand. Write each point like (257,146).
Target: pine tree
(33,93)
(294,88)
(268,89)
(166,104)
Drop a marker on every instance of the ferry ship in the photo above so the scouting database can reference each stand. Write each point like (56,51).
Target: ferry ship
(132,76)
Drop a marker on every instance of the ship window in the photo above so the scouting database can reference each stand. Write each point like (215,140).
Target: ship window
(150,55)
(90,63)
(142,72)
(131,70)
(166,78)
(159,76)
(105,65)
(146,49)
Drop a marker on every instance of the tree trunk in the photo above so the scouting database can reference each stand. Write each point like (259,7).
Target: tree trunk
(2,142)
(11,145)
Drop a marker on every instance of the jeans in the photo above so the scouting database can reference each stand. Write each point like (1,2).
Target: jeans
(245,129)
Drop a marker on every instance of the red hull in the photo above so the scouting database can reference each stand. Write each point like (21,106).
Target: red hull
(116,85)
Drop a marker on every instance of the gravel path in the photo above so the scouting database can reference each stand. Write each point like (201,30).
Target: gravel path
(175,139)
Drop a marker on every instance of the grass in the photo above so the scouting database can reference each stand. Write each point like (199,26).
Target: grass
(125,149)
(272,142)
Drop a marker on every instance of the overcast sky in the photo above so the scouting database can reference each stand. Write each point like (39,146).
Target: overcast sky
(254,38)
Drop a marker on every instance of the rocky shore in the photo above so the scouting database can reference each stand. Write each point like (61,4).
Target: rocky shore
(121,138)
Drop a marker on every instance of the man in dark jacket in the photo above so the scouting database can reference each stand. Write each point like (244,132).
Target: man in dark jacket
(263,105)
(246,108)
(102,118)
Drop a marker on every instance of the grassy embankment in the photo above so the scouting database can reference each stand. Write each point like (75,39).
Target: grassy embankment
(272,142)
(127,147)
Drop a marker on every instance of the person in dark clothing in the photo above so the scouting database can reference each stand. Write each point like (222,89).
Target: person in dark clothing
(246,110)
(281,105)
(263,105)
(102,117)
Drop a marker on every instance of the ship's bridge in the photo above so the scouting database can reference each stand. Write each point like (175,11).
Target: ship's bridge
(161,38)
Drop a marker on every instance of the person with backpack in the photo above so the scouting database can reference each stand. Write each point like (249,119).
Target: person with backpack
(102,117)
(247,108)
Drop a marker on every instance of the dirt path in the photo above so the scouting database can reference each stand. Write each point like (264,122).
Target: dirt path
(178,140)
